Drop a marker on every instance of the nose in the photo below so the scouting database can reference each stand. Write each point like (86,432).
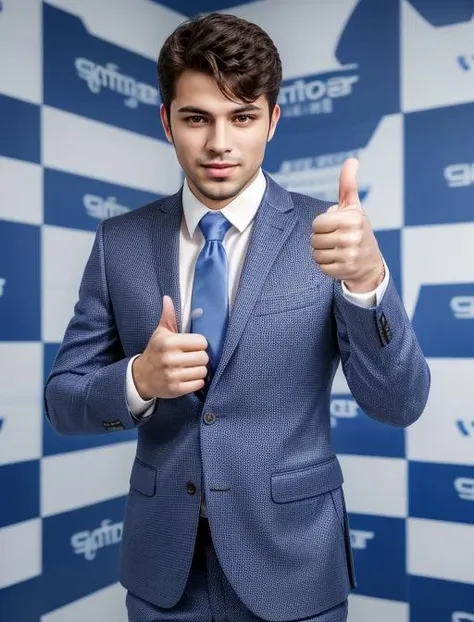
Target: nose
(219,138)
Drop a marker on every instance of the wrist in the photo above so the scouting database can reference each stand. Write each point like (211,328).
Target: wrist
(138,376)
(369,283)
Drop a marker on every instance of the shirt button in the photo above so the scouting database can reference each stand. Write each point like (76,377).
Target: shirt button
(191,488)
(209,418)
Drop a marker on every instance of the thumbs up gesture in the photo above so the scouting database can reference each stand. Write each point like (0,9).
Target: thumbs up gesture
(343,242)
(172,364)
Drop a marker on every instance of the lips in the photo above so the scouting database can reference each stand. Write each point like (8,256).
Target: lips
(219,169)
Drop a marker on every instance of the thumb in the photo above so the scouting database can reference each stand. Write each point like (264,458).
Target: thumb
(348,191)
(168,316)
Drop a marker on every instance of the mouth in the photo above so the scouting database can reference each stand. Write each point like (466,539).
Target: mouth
(219,169)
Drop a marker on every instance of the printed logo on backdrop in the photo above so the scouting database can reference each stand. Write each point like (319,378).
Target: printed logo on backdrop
(360,538)
(439,173)
(3,283)
(466,62)
(462,616)
(99,207)
(464,486)
(316,95)
(88,543)
(465,427)
(450,329)
(82,543)
(451,499)
(316,176)
(80,203)
(459,175)
(97,79)
(346,82)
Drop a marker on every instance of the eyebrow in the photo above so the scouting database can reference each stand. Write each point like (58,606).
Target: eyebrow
(239,110)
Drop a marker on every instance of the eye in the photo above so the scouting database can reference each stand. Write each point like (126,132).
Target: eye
(195,119)
(244,119)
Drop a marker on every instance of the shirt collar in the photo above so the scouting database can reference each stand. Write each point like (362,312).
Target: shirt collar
(240,212)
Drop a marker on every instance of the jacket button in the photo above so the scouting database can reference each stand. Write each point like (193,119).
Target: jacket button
(209,418)
(191,488)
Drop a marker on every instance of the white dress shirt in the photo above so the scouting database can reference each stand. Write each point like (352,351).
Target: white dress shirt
(240,213)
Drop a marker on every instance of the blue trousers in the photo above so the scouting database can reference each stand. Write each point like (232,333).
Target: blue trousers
(208,596)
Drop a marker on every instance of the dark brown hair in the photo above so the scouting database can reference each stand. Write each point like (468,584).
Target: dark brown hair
(240,56)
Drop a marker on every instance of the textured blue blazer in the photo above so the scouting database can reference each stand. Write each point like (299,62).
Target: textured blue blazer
(272,479)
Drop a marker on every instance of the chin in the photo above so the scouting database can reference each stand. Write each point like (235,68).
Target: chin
(221,190)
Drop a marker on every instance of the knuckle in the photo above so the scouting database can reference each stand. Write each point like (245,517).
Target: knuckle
(359,220)
(165,342)
(352,253)
(173,386)
(167,360)
(351,239)
(169,376)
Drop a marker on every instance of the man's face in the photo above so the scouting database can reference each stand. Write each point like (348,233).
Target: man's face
(220,144)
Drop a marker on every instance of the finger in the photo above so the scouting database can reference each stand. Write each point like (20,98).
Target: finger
(185,342)
(328,222)
(348,190)
(168,316)
(325,257)
(325,240)
(190,387)
(177,358)
(188,374)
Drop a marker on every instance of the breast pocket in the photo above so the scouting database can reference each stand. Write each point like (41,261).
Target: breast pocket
(288,301)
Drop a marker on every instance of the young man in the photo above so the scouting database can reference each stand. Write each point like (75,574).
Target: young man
(236,510)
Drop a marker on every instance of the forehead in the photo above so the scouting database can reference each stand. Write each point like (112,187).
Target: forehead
(199,90)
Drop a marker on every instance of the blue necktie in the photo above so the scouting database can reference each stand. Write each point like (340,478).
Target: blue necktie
(209,302)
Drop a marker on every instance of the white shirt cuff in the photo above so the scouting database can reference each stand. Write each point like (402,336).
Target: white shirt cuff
(368,299)
(138,407)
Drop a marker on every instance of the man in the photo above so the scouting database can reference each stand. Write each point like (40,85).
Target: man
(236,510)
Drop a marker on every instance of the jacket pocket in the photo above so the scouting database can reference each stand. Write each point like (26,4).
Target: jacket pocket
(143,478)
(285,302)
(306,482)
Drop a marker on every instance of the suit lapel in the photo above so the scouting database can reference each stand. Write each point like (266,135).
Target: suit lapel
(165,236)
(273,224)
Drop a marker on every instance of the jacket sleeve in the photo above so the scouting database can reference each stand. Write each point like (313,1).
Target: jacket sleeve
(381,358)
(85,392)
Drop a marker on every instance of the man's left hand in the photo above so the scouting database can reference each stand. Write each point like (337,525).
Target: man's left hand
(343,242)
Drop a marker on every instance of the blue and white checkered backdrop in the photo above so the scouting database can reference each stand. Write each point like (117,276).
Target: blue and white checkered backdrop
(391,82)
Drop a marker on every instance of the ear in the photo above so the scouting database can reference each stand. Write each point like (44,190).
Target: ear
(273,122)
(166,123)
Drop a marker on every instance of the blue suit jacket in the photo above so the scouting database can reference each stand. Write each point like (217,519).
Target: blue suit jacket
(272,480)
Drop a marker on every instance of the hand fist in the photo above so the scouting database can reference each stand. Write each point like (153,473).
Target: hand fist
(344,245)
(173,364)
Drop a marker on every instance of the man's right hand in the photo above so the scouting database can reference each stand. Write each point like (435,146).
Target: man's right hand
(173,364)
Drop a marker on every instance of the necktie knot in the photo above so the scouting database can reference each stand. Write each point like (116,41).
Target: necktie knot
(214,226)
